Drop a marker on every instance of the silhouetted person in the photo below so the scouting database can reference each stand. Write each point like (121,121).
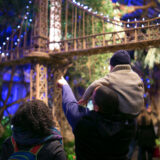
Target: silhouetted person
(145,135)
(101,134)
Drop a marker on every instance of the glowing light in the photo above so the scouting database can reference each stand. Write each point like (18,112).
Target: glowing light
(18,40)
(30,20)
(85,7)
(30,2)
(3,55)
(135,19)
(7,54)
(143,19)
(27,7)
(149,86)
(142,25)
(18,26)
(128,20)
(27,13)
(7,38)
(90,10)
(15,43)
(128,25)
(4,43)
(0,47)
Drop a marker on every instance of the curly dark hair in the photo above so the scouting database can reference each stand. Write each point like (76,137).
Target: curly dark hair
(34,116)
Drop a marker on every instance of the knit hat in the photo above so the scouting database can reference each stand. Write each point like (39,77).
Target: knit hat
(120,57)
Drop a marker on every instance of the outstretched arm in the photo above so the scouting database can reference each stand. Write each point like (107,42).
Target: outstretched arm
(90,89)
(72,110)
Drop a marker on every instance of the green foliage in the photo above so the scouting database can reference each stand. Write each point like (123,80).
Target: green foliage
(152,58)
(6,130)
(69,149)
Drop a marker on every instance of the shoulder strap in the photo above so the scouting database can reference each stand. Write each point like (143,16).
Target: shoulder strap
(14,144)
(35,150)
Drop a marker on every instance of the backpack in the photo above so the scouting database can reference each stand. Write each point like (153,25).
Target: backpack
(24,155)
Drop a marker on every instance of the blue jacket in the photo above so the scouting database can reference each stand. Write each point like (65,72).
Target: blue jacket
(72,110)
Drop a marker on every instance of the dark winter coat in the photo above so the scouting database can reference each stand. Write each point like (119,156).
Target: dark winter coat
(52,150)
(146,135)
(97,136)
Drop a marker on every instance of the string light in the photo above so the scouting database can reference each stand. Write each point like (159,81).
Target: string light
(85,7)
(18,26)
(3,55)
(90,10)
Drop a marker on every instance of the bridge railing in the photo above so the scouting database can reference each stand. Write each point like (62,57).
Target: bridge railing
(134,35)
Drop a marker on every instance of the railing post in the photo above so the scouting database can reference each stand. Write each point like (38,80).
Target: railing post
(114,38)
(136,35)
(75,29)
(103,33)
(66,27)
(93,41)
(125,38)
(84,40)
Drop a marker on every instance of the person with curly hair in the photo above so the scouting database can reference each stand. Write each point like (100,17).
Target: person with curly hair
(33,125)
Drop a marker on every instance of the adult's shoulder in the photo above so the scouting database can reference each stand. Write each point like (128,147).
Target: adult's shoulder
(52,150)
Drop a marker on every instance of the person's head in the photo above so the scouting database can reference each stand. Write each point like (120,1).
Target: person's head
(35,117)
(120,57)
(105,100)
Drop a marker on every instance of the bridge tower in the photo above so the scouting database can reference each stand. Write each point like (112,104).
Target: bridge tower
(38,74)
(44,73)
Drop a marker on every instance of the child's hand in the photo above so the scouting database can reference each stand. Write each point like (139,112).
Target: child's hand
(82,102)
